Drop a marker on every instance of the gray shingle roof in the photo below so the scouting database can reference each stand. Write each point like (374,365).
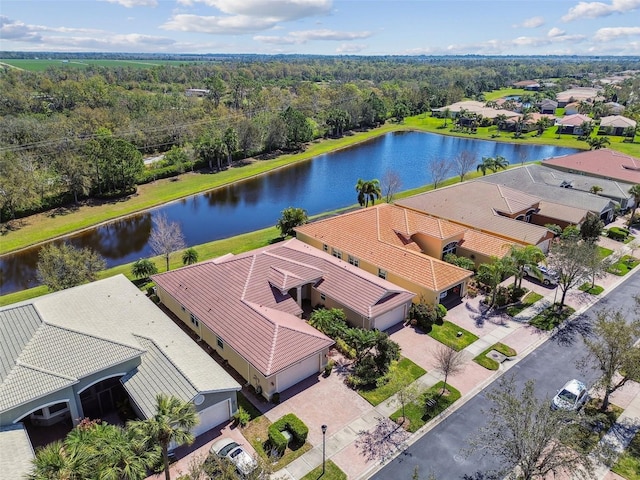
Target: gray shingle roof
(17,326)
(156,374)
(16,452)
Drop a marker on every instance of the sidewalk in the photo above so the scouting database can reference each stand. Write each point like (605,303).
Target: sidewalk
(340,446)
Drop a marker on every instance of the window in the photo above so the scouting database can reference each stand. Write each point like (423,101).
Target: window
(336,253)
(323,297)
(382,273)
(194,321)
(57,407)
(527,217)
(354,261)
(220,342)
(450,248)
(325,247)
(183,309)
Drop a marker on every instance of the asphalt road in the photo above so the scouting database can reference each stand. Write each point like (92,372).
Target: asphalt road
(438,452)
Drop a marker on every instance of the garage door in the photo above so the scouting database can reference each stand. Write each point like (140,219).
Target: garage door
(389,319)
(297,373)
(212,416)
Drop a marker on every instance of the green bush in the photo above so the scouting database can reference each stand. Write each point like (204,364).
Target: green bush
(424,315)
(617,233)
(242,417)
(329,367)
(293,424)
(345,349)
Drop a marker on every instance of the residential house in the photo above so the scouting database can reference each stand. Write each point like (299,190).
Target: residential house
(472,106)
(248,308)
(196,92)
(494,209)
(547,106)
(406,248)
(616,125)
(601,163)
(531,85)
(82,351)
(577,94)
(614,108)
(572,108)
(572,124)
(569,206)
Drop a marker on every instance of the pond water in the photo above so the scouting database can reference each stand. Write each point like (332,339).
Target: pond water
(324,183)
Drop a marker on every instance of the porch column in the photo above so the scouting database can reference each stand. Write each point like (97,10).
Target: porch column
(75,409)
(299,296)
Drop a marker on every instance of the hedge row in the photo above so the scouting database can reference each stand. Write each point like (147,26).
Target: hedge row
(293,424)
(618,233)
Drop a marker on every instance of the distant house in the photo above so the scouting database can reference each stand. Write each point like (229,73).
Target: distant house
(196,92)
(531,85)
(572,108)
(572,124)
(616,125)
(578,94)
(248,308)
(80,352)
(614,108)
(471,106)
(602,163)
(547,106)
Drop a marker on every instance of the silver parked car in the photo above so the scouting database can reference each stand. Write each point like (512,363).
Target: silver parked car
(572,396)
(233,451)
(547,277)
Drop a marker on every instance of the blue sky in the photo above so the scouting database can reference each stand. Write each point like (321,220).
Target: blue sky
(325,27)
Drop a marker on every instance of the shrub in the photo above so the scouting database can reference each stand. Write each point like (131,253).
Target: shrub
(424,315)
(291,423)
(345,349)
(462,262)
(617,233)
(275,398)
(329,367)
(242,417)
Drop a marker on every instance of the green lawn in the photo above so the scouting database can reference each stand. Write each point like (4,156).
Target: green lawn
(331,472)
(402,372)
(416,413)
(529,299)
(624,265)
(447,333)
(490,363)
(628,465)
(593,425)
(604,252)
(549,318)
(595,290)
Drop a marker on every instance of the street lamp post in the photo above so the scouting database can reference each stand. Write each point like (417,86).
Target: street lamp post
(324,431)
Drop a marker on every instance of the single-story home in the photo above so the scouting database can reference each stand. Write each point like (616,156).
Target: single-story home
(602,163)
(614,108)
(572,108)
(547,106)
(616,125)
(82,351)
(494,209)
(576,94)
(248,308)
(572,124)
(406,248)
(532,85)
(472,106)
(571,205)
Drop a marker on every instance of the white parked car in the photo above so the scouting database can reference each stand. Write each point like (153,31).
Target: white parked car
(572,396)
(548,277)
(233,451)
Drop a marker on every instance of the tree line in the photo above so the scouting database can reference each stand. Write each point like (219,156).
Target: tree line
(69,133)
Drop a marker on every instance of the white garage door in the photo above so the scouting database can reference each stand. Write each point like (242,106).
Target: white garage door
(212,416)
(389,319)
(296,373)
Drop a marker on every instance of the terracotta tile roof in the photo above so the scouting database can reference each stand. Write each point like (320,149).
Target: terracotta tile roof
(379,234)
(481,209)
(604,163)
(574,120)
(244,300)
(485,244)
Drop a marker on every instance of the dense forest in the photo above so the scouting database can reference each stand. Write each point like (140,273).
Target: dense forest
(69,133)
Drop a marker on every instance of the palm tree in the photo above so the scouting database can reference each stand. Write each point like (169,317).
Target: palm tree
(586,128)
(491,274)
(635,191)
(598,142)
(595,189)
(172,422)
(57,461)
(189,256)
(368,190)
(486,164)
(143,268)
(500,121)
(528,256)
(500,163)
(231,142)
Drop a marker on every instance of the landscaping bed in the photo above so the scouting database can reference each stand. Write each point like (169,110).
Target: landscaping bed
(529,299)
(447,333)
(595,290)
(593,425)
(257,434)
(628,465)
(403,372)
(418,415)
(624,265)
(490,363)
(331,472)
(550,318)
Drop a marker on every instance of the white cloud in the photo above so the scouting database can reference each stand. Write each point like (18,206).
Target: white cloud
(612,33)
(246,16)
(135,3)
(555,32)
(351,48)
(22,32)
(300,37)
(600,9)
(533,22)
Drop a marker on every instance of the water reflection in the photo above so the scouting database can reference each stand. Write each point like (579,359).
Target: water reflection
(325,183)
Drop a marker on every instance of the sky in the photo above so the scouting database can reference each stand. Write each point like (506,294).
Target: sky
(323,27)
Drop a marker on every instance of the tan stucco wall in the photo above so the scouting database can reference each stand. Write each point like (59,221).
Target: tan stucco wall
(433,246)
(352,317)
